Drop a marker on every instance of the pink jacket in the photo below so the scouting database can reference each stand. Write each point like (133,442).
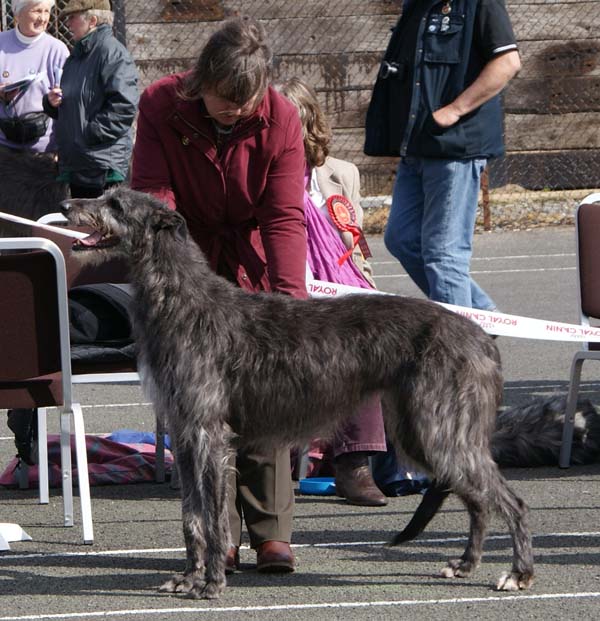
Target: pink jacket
(245,207)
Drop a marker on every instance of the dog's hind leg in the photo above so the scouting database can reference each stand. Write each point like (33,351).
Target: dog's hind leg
(200,463)
(484,492)
(478,507)
(515,512)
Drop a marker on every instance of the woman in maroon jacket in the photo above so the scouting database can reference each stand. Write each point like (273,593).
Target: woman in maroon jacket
(223,148)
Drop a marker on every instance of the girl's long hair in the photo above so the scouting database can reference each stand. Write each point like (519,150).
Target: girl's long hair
(316,129)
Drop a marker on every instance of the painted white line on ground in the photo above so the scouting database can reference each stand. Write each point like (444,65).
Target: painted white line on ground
(519,257)
(114,405)
(333,544)
(475,272)
(520,384)
(118,405)
(552,387)
(501,258)
(508,598)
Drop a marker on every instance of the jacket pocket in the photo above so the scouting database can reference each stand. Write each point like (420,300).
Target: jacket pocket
(445,142)
(443,39)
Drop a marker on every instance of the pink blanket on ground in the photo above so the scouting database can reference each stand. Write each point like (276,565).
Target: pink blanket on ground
(108,463)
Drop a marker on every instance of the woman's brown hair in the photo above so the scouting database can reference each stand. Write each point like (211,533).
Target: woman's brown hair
(235,63)
(316,130)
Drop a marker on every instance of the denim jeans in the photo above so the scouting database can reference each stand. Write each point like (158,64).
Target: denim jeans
(431,224)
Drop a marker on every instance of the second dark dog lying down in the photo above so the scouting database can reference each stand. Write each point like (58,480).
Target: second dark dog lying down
(530,435)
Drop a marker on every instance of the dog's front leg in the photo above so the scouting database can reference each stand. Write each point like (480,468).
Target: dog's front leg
(216,523)
(202,477)
(192,578)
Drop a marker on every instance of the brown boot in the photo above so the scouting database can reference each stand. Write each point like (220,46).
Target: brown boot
(354,482)
(274,557)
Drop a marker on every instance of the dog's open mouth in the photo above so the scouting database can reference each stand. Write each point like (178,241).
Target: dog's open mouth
(95,241)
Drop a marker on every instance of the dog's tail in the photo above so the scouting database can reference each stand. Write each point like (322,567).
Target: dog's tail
(432,500)
(531,435)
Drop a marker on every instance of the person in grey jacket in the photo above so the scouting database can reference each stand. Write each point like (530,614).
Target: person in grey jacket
(95,104)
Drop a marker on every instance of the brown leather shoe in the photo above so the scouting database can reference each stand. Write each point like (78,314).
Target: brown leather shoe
(354,482)
(232,560)
(274,557)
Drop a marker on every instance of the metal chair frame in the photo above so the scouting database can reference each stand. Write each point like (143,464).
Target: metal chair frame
(585,354)
(69,409)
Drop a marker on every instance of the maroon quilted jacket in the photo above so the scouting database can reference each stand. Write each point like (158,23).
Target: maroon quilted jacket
(243,207)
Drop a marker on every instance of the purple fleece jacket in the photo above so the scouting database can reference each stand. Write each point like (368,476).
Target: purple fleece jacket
(18,60)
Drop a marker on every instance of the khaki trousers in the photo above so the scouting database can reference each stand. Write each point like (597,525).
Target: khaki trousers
(260,492)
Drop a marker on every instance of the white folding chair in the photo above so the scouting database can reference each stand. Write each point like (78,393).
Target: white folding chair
(35,371)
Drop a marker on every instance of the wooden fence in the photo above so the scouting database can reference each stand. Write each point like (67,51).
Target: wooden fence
(552,120)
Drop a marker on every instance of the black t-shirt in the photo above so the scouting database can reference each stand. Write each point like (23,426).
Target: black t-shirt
(493,33)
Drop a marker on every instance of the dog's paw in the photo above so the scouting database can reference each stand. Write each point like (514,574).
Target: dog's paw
(514,581)
(183,583)
(209,590)
(457,568)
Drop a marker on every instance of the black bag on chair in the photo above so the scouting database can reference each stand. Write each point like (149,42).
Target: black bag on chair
(24,129)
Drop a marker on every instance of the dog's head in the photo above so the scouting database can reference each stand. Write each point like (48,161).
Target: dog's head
(121,219)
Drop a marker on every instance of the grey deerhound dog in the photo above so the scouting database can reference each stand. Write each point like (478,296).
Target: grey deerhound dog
(232,368)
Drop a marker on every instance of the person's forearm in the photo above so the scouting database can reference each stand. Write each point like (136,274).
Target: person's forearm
(492,79)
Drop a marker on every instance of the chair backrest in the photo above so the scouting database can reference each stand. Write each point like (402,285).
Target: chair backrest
(588,240)
(588,260)
(34,354)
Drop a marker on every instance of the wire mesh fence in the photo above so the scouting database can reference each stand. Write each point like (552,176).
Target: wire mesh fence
(552,108)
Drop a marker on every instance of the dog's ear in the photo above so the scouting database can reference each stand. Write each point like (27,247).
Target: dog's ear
(115,201)
(169,220)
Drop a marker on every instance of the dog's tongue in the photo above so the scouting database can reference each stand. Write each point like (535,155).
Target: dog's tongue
(91,240)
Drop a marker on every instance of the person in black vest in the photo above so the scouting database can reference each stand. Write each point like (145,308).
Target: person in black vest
(436,104)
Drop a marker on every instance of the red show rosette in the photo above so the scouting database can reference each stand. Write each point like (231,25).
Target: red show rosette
(343,215)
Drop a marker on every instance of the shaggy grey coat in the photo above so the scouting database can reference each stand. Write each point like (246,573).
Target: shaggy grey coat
(266,369)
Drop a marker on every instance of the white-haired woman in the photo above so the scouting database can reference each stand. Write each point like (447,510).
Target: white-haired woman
(29,56)
(96,103)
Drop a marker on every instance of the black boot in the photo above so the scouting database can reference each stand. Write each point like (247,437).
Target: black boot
(23,423)
(354,482)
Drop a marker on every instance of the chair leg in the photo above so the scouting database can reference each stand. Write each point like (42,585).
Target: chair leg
(82,475)
(159,473)
(571,406)
(65,464)
(42,423)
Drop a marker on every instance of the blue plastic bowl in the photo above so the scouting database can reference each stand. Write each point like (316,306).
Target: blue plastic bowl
(321,486)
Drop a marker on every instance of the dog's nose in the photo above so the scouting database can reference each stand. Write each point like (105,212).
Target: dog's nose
(65,207)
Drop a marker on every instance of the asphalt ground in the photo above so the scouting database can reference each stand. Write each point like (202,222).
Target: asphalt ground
(343,569)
